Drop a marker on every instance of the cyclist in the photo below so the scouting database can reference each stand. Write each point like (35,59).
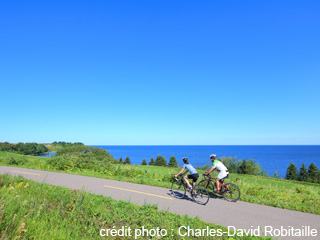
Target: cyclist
(193,173)
(224,173)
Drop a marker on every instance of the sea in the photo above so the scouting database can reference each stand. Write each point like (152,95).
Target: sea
(272,158)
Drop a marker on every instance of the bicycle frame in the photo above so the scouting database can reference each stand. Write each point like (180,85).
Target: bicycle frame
(213,181)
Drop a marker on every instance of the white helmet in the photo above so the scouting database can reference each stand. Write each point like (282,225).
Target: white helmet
(213,156)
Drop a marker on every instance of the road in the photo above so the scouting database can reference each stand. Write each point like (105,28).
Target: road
(239,215)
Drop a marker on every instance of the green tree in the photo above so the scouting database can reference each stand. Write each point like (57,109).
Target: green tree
(303,175)
(243,167)
(275,175)
(173,162)
(160,161)
(120,160)
(127,160)
(313,173)
(232,164)
(292,172)
(263,173)
(144,162)
(151,163)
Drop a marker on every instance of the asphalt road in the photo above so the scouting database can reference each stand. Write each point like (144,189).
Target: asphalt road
(239,215)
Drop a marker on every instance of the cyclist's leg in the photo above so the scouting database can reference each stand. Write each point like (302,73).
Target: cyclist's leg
(187,181)
(194,178)
(218,184)
(223,184)
(220,177)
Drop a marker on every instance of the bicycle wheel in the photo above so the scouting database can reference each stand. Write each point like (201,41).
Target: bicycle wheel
(212,191)
(178,189)
(232,194)
(200,194)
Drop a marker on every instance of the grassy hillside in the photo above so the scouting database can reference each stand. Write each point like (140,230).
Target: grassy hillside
(61,213)
(280,193)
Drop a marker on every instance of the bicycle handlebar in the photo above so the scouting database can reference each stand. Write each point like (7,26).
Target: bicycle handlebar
(206,176)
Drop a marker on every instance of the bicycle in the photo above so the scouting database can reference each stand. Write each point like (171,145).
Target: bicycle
(197,192)
(228,191)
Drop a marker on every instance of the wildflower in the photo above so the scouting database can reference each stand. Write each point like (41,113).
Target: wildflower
(21,228)
(51,206)
(27,184)
(75,191)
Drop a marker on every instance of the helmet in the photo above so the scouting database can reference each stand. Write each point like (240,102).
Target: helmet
(213,156)
(185,159)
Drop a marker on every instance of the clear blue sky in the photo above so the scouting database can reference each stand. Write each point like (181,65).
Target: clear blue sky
(160,72)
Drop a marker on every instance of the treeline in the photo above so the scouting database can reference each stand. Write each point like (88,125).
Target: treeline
(24,148)
(160,161)
(312,174)
(67,144)
(243,166)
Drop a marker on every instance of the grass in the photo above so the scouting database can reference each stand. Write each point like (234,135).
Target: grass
(31,210)
(293,195)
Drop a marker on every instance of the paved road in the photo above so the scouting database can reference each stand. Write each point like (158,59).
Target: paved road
(239,215)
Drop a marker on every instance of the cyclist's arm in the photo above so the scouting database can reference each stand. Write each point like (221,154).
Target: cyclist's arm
(179,172)
(210,170)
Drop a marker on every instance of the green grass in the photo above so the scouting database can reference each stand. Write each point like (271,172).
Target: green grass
(31,210)
(293,195)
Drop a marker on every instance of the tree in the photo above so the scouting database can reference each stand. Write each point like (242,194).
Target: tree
(173,162)
(151,163)
(120,160)
(313,173)
(275,175)
(160,161)
(292,172)
(303,175)
(144,162)
(127,160)
(243,168)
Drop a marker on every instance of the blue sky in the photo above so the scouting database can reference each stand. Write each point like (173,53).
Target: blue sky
(160,72)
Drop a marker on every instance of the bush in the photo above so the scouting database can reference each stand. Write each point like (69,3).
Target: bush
(82,157)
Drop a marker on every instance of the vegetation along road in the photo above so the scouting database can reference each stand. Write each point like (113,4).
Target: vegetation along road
(239,215)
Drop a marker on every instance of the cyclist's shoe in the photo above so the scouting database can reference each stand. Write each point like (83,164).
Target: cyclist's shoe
(189,189)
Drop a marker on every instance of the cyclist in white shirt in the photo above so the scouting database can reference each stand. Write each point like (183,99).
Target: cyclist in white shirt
(193,173)
(223,171)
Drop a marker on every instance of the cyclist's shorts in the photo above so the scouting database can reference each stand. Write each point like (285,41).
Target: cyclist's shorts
(223,174)
(194,176)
